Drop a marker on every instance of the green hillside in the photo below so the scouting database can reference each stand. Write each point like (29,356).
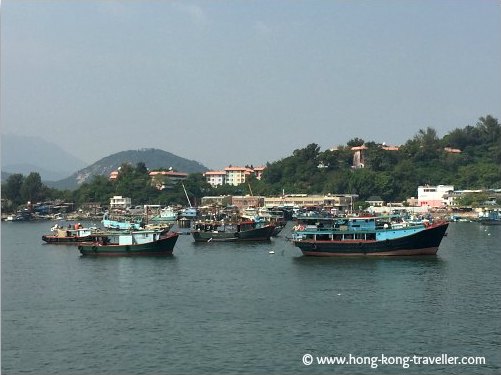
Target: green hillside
(152,158)
(394,175)
(468,158)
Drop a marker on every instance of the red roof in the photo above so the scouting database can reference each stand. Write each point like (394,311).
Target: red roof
(214,173)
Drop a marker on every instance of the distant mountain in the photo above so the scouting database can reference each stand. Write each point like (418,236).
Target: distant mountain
(32,154)
(152,158)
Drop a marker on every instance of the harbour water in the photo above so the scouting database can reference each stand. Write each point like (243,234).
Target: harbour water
(236,308)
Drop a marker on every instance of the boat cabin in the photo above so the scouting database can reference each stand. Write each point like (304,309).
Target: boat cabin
(130,238)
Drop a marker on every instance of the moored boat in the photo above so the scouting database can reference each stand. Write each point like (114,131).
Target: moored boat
(110,223)
(166,214)
(223,232)
(368,236)
(489,217)
(135,243)
(70,235)
(188,213)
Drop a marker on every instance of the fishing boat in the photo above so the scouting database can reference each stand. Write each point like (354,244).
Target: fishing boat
(166,214)
(189,212)
(354,236)
(125,224)
(261,222)
(489,217)
(219,231)
(69,235)
(134,243)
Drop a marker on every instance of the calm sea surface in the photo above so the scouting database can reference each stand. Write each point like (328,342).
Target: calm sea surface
(235,308)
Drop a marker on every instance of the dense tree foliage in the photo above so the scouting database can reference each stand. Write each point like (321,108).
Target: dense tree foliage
(393,175)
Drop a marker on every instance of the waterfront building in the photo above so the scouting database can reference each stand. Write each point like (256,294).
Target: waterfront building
(120,202)
(435,196)
(339,202)
(220,200)
(375,201)
(247,201)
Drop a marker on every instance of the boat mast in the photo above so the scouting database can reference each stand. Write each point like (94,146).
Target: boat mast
(186,195)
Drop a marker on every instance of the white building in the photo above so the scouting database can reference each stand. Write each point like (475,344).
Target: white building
(232,175)
(215,178)
(435,196)
(237,175)
(120,202)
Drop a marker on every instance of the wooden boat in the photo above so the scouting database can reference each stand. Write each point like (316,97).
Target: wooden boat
(69,235)
(134,243)
(369,236)
(222,232)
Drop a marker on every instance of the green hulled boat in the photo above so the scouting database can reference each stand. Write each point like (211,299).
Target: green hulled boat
(146,243)
(224,232)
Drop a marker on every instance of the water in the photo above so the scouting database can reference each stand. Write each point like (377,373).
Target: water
(235,308)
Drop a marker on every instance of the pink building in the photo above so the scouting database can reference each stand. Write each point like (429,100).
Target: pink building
(434,196)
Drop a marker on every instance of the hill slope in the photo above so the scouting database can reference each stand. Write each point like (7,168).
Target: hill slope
(152,158)
(23,155)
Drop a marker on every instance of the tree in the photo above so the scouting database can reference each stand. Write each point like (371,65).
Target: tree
(490,129)
(355,142)
(11,190)
(32,188)
(308,153)
(141,168)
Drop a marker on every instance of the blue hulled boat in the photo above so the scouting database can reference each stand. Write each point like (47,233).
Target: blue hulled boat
(355,236)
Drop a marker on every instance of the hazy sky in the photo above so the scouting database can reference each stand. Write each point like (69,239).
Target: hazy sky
(244,82)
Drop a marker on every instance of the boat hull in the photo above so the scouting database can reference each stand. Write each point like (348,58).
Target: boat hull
(162,247)
(425,242)
(257,234)
(490,221)
(66,240)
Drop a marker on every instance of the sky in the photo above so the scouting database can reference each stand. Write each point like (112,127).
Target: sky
(244,82)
